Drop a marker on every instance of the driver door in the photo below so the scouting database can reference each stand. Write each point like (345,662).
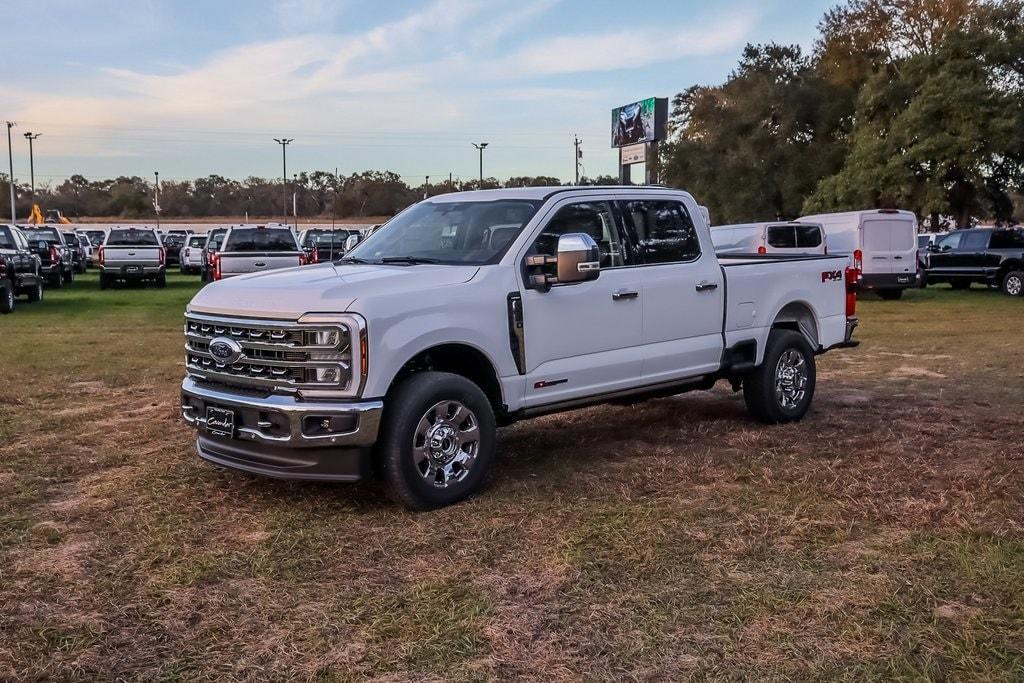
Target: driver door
(583,338)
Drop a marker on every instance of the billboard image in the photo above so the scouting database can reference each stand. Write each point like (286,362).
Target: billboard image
(640,121)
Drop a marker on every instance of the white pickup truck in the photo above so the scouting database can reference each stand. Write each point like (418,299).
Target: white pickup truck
(132,255)
(473,310)
(256,249)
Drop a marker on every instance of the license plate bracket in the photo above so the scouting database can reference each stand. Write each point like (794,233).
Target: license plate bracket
(132,269)
(220,421)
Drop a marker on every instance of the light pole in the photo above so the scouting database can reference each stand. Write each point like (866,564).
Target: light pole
(426,187)
(295,199)
(481,147)
(156,198)
(579,155)
(284,142)
(10,165)
(30,136)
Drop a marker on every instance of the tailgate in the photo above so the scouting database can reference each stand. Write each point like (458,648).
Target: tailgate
(114,257)
(241,262)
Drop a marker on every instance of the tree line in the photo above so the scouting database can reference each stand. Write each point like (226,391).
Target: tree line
(318,193)
(914,104)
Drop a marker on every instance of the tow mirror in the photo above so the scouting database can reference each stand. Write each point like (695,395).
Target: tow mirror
(351,241)
(577,259)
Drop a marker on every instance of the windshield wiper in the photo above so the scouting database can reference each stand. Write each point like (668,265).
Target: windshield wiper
(350,259)
(411,260)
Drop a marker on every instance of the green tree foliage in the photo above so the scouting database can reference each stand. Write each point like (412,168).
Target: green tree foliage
(755,147)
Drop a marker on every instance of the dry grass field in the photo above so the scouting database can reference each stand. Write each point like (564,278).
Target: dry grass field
(881,537)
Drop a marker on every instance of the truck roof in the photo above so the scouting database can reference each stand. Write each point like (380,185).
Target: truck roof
(543,193)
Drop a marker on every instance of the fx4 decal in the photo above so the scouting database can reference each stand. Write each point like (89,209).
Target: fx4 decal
(831,275)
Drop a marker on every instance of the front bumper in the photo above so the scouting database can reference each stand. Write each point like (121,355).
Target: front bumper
(280,436)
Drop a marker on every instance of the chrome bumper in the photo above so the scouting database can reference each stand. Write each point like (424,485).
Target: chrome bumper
(284,420)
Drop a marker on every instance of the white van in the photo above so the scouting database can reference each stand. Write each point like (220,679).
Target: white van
(884,241)
(769,238)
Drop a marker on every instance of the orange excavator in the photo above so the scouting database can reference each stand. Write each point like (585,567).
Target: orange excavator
(35,217)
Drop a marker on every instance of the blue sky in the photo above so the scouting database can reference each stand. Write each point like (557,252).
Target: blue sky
(196,87)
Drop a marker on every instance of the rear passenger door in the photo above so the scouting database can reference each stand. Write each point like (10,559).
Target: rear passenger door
(682,290)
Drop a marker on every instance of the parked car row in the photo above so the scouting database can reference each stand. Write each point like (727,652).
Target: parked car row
(21,266)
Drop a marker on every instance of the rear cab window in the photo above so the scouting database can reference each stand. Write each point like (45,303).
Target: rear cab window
(261,239)
(48,235)
(196,241)
(975,240)
(132,238)
(663,230)
(1007,239)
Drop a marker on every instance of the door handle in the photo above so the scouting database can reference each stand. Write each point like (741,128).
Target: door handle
(898,258)
(625,294)
(706,286)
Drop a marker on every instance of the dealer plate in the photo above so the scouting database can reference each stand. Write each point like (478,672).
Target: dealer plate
(220,421)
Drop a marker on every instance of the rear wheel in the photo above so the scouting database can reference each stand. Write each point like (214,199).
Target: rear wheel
(781,388)
(7,298)
(104,282)
(36,293)
(57,281)
(890,294)
(437,440)
(1013,283)
(161,281)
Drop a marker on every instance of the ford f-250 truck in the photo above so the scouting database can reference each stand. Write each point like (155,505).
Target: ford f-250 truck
(473,310)
(132,255)
(256,249)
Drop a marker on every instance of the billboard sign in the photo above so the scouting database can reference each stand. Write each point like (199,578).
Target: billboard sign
(634,154)
(642,121)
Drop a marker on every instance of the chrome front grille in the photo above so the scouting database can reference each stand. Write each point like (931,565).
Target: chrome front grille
(276,357)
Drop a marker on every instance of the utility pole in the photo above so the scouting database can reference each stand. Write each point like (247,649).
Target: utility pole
(30,136)
(295,199)
(579,155)
(156,197)
(426,187)
(481,147)
(284,142)
(10,165)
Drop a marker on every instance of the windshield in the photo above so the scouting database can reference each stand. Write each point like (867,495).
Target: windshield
(471,233)
(260,239)
(131,238)
(34,235)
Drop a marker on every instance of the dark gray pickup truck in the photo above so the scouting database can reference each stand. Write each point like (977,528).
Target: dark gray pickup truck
(993,257)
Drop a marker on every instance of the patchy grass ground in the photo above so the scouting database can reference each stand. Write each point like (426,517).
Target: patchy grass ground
(879,538)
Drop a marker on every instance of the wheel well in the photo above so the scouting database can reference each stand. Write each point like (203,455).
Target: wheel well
(1007,266)
(458,359)
(800,318)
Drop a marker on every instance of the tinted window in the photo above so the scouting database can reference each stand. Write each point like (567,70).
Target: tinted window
(664,231)
(455,232)
(950,241)
(782,237)
(975,240)
(808,236)
(592,218)
(334,239)
(216,239)
(6,239)
(71,238)
(922,241)
(260,239)
(48,234)
(132,238)
(196,241)
(1007,239)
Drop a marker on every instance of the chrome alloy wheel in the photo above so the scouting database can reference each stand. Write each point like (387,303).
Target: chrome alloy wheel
(791,379)
(1014,285)
(446,443)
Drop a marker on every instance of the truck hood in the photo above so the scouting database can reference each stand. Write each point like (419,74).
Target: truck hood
(334,288)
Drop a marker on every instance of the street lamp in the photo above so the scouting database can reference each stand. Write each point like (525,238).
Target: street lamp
(481,147)
(10,178)
(30,136)
(284,142)
(156,198)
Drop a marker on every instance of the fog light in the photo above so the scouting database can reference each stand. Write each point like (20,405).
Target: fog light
(323,425)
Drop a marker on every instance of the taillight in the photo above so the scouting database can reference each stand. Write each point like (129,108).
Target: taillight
(858,261)
(99,258)
(303,260)
(53,253)
(215,259)
(852,277)
(188,252)
(163,255)
(761,250)
(315,256)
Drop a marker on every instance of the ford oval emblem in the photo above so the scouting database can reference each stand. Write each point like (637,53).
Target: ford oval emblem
(225,351)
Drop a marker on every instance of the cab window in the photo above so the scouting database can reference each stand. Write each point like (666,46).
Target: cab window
(975,240)
(948,242)
(593,218)
(664,231)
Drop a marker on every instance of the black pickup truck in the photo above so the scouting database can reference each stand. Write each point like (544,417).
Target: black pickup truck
(993,257)
(19,269)
(57,261)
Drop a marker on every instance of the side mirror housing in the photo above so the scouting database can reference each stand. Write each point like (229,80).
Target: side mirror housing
(577,259)
(351,241)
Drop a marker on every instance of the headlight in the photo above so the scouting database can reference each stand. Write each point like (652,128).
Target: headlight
(345,338)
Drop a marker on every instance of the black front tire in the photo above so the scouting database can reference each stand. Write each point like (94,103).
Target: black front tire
(36,293)
(57,281)
(890,294)
(760,386)
(409,404)
(1013,283)
(7,298)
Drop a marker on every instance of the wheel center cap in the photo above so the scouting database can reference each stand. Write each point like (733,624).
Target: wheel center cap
(442,442)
